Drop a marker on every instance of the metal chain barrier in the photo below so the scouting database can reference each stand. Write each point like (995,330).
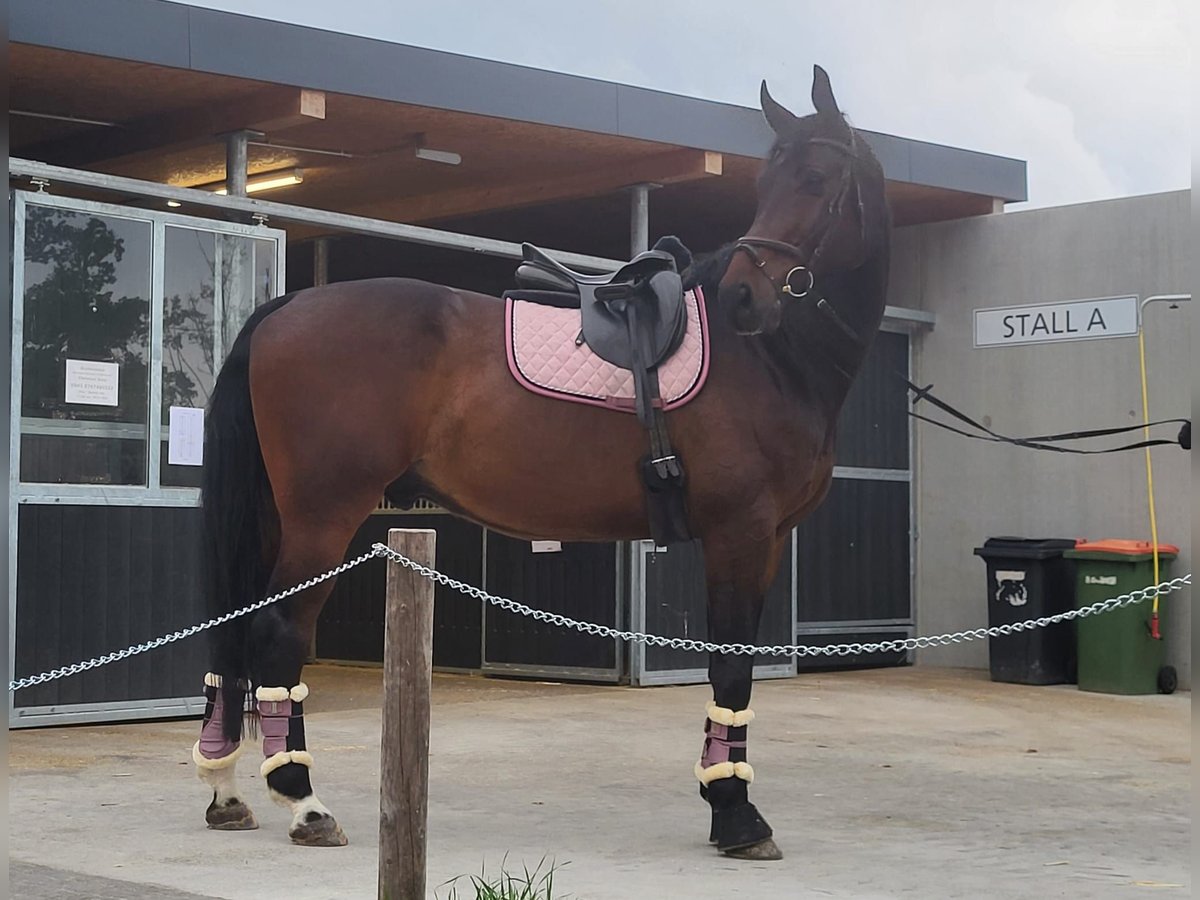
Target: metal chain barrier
(135,649)
(653,640)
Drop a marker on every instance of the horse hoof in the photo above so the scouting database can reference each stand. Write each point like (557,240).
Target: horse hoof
(323,831)
(763,850)
(235,816)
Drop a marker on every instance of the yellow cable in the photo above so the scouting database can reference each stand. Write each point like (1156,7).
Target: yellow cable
(1149,468)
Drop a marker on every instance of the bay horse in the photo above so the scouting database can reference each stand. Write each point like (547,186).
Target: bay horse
(336,396)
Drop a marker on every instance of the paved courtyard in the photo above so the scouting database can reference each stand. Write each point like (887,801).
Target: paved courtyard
(911,783)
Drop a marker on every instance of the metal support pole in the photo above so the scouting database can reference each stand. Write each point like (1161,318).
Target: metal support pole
(321,261)
(639,219)
(237,161)
(404,744)
(631,599)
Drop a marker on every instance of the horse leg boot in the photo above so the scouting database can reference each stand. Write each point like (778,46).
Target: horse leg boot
(216,756)
(286,766)
(738,830)
(280,704)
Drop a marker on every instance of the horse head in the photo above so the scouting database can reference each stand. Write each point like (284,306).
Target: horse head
(821,210)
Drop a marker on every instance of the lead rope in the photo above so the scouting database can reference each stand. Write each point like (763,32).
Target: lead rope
(1154,630)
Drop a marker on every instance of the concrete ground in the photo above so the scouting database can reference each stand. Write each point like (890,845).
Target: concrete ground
(921,783)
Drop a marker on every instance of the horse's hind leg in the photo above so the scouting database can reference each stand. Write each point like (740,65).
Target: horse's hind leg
(216,758)
(738,576)
(280,648)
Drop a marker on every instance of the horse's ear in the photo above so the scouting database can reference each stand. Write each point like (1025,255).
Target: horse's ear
(782,121)
(822,94)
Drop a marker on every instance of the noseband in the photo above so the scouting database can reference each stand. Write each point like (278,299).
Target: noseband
(799,280)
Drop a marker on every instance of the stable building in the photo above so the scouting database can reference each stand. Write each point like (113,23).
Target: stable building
(173,168)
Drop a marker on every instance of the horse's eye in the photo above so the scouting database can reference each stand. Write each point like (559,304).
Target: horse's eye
(812,182)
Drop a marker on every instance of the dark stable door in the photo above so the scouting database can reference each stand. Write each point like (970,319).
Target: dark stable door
(579,580)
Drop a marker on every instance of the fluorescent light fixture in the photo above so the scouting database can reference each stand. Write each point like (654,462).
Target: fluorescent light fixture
(441,156)
(266,181)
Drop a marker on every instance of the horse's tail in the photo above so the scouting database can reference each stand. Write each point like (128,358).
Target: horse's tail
(237,508)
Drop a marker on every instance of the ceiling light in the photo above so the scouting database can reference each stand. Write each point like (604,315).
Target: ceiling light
(266,181)
(441,156)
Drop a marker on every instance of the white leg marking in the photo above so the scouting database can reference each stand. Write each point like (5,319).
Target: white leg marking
(300,808)
(222,781)
(220,775)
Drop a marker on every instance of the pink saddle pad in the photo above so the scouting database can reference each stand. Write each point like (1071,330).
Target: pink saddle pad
(543,357)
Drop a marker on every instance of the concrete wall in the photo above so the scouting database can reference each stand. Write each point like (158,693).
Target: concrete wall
(968,490)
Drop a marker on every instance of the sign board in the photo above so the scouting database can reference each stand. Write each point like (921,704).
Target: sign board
(1076,320)
(546,546)
(93,383)
(185,436)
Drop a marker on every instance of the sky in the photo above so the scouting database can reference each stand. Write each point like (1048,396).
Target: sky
(1092,94)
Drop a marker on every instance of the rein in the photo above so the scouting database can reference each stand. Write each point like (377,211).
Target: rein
(799,281)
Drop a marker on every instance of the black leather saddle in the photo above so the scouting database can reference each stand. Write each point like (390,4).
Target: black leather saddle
(633,315)
(634,318)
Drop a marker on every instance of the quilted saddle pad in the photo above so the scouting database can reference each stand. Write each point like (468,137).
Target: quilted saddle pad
(543,357)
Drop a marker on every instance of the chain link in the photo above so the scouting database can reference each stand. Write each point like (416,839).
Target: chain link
(652,640)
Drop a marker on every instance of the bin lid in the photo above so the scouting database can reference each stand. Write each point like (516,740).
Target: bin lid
(1127,550)
(1025,548)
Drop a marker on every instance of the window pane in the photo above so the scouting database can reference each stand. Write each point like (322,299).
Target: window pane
(188,332)
(85,373)
(247,271)
(194,298)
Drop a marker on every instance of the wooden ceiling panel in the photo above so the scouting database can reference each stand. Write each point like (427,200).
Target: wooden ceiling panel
(97,87)
(505,164)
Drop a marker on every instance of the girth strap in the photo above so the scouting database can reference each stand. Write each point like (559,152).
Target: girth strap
(663,482)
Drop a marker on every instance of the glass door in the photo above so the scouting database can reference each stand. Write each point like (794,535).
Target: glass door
(121,318)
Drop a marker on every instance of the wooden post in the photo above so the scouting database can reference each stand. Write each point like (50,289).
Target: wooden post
(404,746)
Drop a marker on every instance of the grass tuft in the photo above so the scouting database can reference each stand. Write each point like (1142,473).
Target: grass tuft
(535,885)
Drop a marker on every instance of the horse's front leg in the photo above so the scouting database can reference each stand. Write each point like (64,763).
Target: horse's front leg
(738,576)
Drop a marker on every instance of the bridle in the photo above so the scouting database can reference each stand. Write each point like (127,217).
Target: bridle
(799,281)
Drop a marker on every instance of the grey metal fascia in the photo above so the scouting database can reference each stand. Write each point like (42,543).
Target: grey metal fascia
(221,43)
(937,165)
(143,30)
(247,47)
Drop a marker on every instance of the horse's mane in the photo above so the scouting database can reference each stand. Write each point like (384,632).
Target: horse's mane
(707,270)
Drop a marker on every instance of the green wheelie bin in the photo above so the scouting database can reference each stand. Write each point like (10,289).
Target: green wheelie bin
(1118,654)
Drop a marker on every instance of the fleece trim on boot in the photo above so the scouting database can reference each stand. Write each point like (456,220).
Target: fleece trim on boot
(282,758)
(723,716)
(221,762)
(724,770)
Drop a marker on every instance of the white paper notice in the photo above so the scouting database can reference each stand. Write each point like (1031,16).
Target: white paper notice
(185,436)
(546,546)
(93,383)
